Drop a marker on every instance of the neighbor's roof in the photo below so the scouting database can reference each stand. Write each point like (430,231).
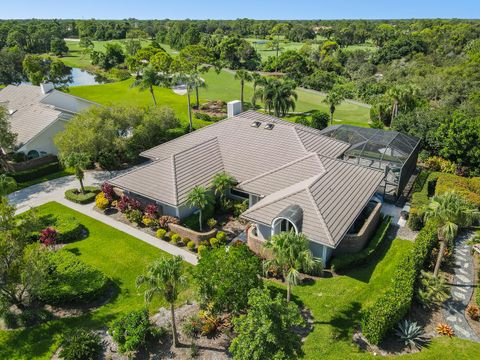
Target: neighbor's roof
(28,116)
(288,165)
(331,199)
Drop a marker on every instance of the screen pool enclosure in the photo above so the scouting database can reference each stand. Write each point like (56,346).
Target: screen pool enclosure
(391,151)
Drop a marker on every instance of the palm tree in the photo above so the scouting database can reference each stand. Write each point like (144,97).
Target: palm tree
(147,81)
(221,182)
(451,212)
(79,161)
(291,254)
(242,75)
(199,197)
(258,80)
(334,98)
(164,278)
(191,81)
(401,96)
(7,185)
(279,96)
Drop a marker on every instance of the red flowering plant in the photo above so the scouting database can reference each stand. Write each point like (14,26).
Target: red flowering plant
(123,205)
(107,190)
(134,204)
(151,211)
(48,236)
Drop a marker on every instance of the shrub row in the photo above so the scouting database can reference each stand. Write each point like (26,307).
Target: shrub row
(421,198)
(394,304)
(79,198)
(70,280)
(206,117)
(27,175)
(469,188)
(346,261)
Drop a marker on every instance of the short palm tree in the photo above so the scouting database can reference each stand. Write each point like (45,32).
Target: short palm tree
(7,185)
(333,99)
(279,96)
(257,80)
(450,211)
(291,254)
(199,197)
(222,182)
(164,278)
(78,161)
(147,81)
(242,75)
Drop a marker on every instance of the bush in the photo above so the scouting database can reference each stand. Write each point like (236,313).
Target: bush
(347,261)
(76,196)
(222,237)
(175,238)
(320,120)
(134,216)
(214,242)
(201,249)
(415,219)
(161,233)
(437,163)
(70,280)
(185,241)
(211,223)
(164,220)
(395,303)
(101,201)
(148,221)
(69,229)
(240,207)
(191,245)
(424,188)
(131,330)
(468,188)
(27,175)
(81,344)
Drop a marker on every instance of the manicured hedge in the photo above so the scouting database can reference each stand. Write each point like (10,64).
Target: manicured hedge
(27,175)
(395,303)
(89,196)
(347,261)
(70,280)
(425,187)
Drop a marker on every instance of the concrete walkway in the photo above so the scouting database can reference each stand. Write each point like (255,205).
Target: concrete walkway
(462,289)
(54,190)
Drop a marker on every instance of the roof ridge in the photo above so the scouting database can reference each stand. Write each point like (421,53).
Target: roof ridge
(195,146)
(175,187)
(278,168)
(317,209)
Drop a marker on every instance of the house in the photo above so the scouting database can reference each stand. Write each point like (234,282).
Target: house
(37,113)
(292,175)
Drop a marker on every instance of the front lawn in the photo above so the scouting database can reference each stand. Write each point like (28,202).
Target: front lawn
(119,256)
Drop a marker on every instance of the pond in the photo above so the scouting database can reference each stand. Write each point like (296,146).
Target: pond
(83,77)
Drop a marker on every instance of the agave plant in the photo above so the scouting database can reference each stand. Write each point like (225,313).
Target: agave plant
(432,290)
(411,334)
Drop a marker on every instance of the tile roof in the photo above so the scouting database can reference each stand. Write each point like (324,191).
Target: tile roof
(288,165)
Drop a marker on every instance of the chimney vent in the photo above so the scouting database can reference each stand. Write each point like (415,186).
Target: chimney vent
(234,108)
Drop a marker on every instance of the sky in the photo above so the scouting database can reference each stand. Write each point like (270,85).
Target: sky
(227,9)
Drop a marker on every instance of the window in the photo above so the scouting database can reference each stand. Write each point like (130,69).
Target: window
(238,193)
(286,225)
(33,154)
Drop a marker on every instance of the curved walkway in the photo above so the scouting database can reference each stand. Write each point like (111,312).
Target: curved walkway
(462,289)
(54,190)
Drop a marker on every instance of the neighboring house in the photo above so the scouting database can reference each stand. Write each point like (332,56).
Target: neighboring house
(37,114)
(291,175)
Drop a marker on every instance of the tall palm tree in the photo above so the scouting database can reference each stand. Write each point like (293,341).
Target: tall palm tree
(164,278)
(402,97)
(258,80)
(451,212)
(242,75)
(191,81)
(222,182)
(79,161)
(147,81)
(7,185)
(291,254)
(333,99)
(199,197)
(279,96)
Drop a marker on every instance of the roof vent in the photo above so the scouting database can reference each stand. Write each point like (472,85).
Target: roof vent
(269,126)
(256,124)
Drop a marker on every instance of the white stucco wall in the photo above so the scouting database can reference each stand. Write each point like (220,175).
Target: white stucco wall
(44,140)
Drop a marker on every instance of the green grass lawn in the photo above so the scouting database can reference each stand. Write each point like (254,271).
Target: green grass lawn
(336,305)
(120,256)
(221,86)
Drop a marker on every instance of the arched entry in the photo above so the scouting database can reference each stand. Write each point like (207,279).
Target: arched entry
(289,219)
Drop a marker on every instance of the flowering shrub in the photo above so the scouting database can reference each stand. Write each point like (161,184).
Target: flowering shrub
(101,201)
(48,236)
(151,210)
(108,192)
(164,220)
(437,163)
(123,204)
(148,221)
(134,204)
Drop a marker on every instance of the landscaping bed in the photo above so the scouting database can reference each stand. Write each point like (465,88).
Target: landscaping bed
(78,197)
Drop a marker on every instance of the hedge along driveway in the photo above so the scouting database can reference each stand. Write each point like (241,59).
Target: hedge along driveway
(121,257)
